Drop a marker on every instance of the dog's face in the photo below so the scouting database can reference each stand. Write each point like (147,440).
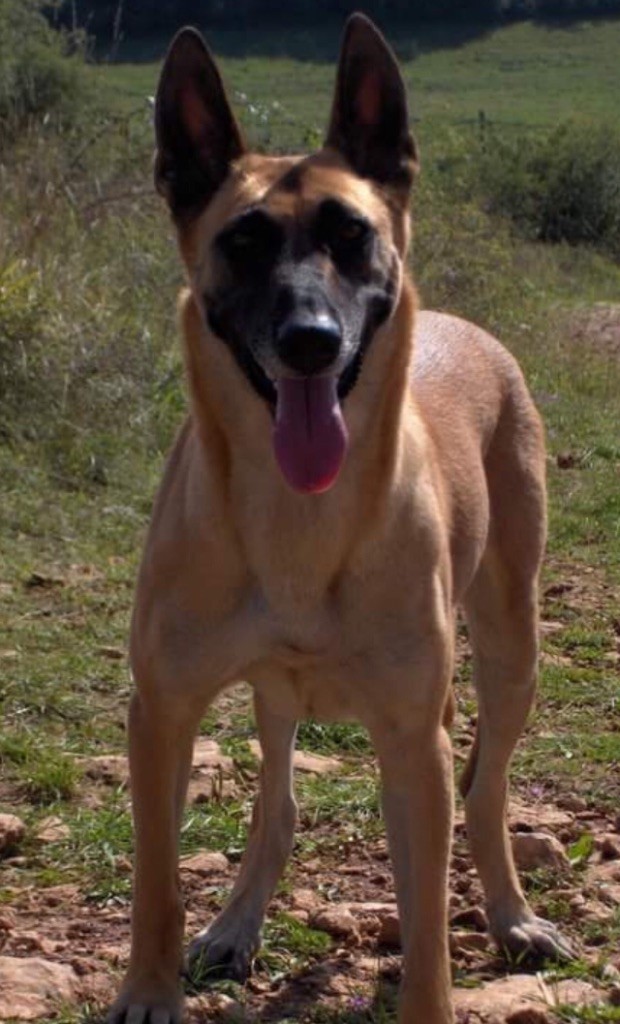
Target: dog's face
(295,262)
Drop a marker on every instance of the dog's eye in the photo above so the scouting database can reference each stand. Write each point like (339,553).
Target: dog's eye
(352,230)
(255,237)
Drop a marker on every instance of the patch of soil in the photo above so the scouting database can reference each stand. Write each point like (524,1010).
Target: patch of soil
(597,326)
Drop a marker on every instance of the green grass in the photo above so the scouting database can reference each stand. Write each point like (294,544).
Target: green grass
(522,76)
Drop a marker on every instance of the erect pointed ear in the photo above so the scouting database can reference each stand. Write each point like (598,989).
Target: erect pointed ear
(369,121)
(197,135)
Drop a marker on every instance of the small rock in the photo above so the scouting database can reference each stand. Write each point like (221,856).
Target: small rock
(61,895)
(112,653)
(462,884)
(335,921)
(610,847)
(39,579)
(32,987)
(471,918)
(497,1000)
(225,1008)
(596,912)
(208,788)
(112,769)
(614,995)
(572,802)
(315,764)
(528,1015)
(389,931)
(32,942)
(204,864)
(207,755)
(610,973)
(12,831)
(533,817)
(538,850)
(52,830)
(468,942)
(304,899)
(8,920)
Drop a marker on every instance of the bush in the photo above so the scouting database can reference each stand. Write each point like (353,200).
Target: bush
(40,68)
(563,187)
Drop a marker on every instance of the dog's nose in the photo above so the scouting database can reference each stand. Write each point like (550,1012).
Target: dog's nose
(309,344)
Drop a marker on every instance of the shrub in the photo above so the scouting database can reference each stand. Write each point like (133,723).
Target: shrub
(40,68)
(562,187)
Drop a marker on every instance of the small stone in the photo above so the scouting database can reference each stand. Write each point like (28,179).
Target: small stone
(314,764)
(208,755)
(32,987)
(335,921)
(112,653)
(610,847)
(304,899)
(112,769)
(468,942)
(225,1008)
(389,931)
(52,830)
(610,973)
(614,995)
(597,912)
(204,864)
(462,884)
(471,918)
(497,1000)
(528,1015)
(8,920)
(32,942)
(572,802)
(12,831)
(209,788)
(538,850)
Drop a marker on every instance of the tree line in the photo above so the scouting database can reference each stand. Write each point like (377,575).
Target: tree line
(111,18)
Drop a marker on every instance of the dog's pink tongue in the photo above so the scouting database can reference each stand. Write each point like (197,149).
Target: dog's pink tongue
(310,436)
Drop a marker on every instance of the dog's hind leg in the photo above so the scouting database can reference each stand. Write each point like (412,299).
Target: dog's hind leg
(227,947)
(502,615)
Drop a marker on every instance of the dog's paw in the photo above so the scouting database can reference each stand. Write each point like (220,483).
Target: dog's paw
(533,939)
(148,1006)
(217,954)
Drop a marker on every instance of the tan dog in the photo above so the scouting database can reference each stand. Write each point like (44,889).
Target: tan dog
(351,471)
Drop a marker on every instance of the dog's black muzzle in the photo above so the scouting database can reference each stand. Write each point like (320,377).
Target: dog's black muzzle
(308,342)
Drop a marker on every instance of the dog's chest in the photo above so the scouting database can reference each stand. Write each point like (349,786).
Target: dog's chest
(304,643)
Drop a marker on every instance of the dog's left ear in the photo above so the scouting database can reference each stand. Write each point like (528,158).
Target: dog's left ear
(369,122)
(197,134)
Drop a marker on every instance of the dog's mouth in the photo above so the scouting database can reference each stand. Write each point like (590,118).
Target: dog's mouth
(310,436)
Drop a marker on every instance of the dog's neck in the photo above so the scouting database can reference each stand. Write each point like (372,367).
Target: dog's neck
(236,439)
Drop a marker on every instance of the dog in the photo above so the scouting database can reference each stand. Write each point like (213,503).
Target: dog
(352,470)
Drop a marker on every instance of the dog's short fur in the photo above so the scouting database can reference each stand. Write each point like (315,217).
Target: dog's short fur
(426,491)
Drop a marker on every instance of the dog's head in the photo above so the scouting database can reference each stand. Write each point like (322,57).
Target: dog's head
(294,262)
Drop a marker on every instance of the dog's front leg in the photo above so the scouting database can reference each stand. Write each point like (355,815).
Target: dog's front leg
(416,775)
(161,733)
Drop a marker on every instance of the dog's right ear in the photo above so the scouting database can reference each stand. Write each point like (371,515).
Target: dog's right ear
(197,135)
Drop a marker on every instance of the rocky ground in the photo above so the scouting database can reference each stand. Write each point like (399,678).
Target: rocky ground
(57,948)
